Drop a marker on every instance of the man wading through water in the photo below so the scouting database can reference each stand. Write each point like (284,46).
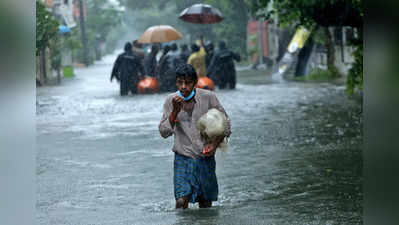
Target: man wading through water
(194,164)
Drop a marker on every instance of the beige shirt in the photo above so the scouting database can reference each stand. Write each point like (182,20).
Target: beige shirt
(187,138)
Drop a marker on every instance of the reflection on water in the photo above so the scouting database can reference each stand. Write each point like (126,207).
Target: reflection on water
(294,156)
(198,216)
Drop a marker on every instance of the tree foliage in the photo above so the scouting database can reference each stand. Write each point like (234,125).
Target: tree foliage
(101,17)
(355,74)
(46,27)
(307,13)
(101,20)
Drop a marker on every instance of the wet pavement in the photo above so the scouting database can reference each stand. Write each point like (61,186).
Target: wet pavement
(295,155)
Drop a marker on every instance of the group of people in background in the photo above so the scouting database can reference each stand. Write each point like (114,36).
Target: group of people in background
(135,63)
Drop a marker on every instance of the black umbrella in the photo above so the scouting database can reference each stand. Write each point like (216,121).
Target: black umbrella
(201,13)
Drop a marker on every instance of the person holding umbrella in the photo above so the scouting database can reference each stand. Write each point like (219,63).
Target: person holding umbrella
(209,48)
(150,61)
(194,164)
(160,34)
(184,52)
(163,69)
(201,14)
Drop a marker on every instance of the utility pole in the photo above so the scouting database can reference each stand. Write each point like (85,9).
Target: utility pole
(260,40)
(83,32)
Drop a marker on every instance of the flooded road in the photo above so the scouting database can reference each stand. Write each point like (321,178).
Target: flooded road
(294,155)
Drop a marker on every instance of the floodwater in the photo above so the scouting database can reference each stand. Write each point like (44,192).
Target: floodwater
(295,155)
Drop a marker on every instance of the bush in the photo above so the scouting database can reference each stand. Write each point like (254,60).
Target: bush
(355,75)
(320,75)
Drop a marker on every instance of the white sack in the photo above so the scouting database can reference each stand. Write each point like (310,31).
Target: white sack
(212,125)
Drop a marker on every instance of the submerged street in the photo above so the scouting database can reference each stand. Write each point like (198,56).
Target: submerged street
(294,157)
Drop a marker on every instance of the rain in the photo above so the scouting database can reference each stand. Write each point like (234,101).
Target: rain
(295,150)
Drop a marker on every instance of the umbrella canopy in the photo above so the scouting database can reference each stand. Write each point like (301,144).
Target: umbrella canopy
(201,13)
(160,33)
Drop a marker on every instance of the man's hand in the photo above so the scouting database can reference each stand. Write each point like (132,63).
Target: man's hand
(177,103)
(209,149)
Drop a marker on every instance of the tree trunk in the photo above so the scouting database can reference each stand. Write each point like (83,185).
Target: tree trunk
(330,50)
(83,33)
(43,75)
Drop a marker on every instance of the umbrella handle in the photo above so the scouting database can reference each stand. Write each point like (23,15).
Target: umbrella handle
(202,39)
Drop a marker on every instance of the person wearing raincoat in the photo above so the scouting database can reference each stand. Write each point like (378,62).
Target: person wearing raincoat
(174,61)
(197,59)
(127,70)
(166,68)
(174,52)
(137,50)
(163,68)
(222,70)
(209,49)
(184,52)
(150,61)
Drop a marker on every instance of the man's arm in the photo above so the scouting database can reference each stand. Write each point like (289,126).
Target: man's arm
(214,103)
(165,127)
(115,69)
(210,148)
(236,57)
(169,117)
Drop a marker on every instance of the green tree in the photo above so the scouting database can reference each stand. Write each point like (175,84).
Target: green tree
(233,29)
(47,37)
(46,27)
(101,21)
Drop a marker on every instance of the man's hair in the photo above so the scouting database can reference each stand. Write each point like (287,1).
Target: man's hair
(137,44)
(183,47)
(186,70)
(166,48)
(222,45)
(195,48)
(128,47)
(209,47)
(173,47)
(154,48)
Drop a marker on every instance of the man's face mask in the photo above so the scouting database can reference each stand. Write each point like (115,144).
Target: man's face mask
(185,87)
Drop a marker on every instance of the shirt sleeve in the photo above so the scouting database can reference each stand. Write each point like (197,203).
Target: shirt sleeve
(214,103)
(165,128)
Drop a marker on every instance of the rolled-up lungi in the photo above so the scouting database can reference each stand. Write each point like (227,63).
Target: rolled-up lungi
(195,177)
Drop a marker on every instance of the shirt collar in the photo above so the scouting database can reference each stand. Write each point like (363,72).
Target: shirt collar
(196,95)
